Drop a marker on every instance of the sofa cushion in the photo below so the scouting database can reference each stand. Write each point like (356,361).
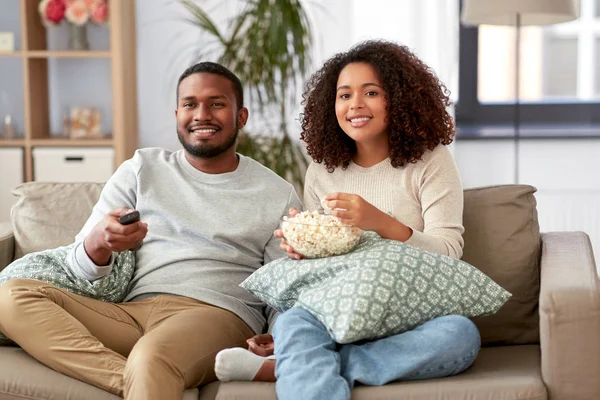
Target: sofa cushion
(22,377)
(48,215)
(511,372)
(502,239)
(381,288)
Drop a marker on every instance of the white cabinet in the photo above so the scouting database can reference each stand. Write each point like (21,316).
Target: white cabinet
(72,164)
(11,165)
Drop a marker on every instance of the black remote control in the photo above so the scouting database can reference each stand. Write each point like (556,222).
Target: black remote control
(130,218)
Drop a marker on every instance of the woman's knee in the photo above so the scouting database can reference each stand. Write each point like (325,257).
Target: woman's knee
(463,331)
(293,317)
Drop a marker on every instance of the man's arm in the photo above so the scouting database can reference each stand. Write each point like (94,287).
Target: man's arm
(272,249)
(92,259)
(271,315)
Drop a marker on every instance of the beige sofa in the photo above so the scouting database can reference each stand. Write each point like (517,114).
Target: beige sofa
(543,344)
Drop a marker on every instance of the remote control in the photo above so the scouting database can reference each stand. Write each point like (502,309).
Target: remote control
(130,218)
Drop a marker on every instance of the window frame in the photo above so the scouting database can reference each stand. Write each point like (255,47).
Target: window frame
(471,112)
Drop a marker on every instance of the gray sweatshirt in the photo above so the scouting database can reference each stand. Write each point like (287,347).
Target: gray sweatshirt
(206,232)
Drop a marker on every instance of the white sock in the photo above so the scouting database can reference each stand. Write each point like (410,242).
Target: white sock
(237,364)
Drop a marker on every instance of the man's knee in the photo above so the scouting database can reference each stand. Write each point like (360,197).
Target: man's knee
(13,296)
(143,356)
(15,290)
(146,359)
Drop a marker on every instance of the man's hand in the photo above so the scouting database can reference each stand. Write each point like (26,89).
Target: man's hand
(109,235)
(353,210)
(284,245)
(261,345)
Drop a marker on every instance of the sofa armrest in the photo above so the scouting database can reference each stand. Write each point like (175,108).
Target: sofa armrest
(569,317)
(7,244)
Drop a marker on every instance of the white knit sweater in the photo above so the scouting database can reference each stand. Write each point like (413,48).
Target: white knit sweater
(426,196)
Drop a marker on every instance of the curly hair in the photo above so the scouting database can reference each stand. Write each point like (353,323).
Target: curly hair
(416,106)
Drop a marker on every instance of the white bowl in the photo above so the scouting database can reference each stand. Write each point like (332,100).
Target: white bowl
(317,235)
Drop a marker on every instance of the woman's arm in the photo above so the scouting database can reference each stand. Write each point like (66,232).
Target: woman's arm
(441,195)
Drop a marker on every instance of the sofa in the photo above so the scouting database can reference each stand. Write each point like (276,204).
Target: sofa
(544,343)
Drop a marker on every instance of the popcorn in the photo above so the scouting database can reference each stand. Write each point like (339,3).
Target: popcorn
(316,235)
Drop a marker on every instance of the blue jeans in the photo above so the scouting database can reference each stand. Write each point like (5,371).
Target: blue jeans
(310,365)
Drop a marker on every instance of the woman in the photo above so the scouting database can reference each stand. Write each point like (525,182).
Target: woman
(376,127)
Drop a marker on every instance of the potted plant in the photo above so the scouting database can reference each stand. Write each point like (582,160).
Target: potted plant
(267,45)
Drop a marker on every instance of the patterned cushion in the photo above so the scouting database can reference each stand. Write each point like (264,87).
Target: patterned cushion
(50,266)
(381,288)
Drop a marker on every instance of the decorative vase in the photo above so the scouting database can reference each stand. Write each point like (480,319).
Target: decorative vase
(78,39)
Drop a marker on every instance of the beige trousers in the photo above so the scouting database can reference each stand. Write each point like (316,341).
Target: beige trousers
(149,349)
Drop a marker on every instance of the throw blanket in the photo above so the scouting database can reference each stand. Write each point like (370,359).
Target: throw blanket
(51,266)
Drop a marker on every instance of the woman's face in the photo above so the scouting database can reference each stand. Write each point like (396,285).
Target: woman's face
(360,104)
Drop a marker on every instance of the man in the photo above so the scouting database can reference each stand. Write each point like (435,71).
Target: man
(207,218)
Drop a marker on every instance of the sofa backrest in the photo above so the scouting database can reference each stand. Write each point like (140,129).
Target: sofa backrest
(502,239)
(49,215)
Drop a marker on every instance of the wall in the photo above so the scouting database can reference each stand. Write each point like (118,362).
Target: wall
(11,78)
(166,43)
(567,194)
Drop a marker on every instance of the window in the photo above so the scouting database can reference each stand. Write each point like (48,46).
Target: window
(559,72)
(597,69)
(559,69)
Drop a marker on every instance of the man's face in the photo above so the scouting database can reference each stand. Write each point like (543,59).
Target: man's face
(207,116)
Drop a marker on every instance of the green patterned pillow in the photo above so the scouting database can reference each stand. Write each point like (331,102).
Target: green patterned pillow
(381,288)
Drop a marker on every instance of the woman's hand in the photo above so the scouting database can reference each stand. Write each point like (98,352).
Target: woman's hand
(284,245)
(353,210)
(262,345)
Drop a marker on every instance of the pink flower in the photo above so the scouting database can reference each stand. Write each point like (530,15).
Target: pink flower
(99,12)
(77,13)
(52,11)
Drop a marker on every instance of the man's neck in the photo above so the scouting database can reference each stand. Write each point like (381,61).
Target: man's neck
(221,164)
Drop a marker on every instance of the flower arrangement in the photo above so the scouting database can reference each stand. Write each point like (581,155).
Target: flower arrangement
(78,12)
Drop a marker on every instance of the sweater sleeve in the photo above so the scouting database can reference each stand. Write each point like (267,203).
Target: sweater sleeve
(441,194)
(119,191)
(272,250)
(311,200)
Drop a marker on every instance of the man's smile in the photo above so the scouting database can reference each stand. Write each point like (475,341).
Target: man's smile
(203,132)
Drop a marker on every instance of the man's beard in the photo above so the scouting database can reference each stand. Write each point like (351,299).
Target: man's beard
(208,151)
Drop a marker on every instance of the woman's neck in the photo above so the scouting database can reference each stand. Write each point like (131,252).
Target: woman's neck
(369,154)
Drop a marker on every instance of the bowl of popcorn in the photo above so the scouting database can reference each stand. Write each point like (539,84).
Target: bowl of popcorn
(316,235)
